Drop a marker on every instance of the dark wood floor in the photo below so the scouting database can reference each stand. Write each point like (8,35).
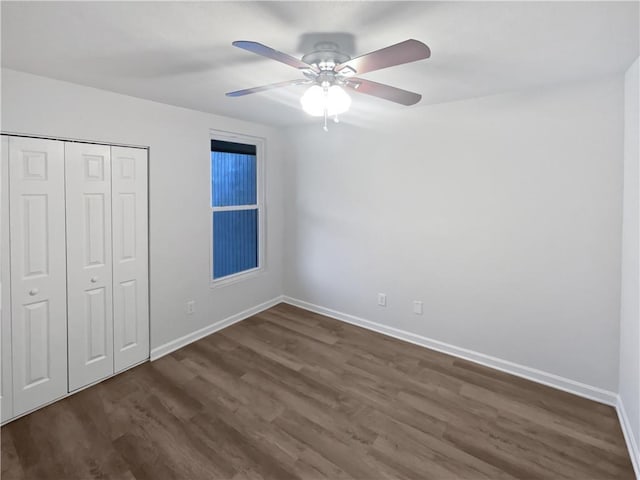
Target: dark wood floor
(290,394)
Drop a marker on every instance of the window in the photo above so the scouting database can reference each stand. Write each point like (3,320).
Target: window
(236,207)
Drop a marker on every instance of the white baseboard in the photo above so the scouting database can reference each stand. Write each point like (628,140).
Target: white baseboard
(539,376)
(634,451)
(178,343)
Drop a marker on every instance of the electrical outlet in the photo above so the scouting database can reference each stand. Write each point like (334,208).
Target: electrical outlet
(382,299)
(417,307)
(191,307)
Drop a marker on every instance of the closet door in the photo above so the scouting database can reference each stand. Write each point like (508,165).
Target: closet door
(6,397)
(89,269)
(38,280)
(130,256)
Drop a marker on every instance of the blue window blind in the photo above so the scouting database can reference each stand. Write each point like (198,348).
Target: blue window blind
(235,242)
(233,179)
(235,231)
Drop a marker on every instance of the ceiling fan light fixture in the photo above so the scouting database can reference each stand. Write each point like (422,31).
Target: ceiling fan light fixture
(318,100)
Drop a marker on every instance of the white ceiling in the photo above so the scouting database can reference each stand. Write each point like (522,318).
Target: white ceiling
(180,53)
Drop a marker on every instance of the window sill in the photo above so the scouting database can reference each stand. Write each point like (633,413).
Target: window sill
(238,277)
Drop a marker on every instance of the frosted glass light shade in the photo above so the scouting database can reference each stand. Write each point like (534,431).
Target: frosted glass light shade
(335,99)
(313,101)
(338,101)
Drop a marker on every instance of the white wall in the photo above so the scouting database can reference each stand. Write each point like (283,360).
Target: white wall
(630,309)
(502,214)
(178,187)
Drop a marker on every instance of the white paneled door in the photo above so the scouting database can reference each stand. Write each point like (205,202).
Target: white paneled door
(89,266)
(38,272)
(6,397)
(130,256)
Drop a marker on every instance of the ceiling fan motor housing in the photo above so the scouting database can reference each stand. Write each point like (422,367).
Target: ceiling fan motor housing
(326,56)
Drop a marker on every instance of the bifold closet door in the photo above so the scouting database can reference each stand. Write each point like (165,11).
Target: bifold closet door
(89,266)
(130,256)
(6,397)
(38,272)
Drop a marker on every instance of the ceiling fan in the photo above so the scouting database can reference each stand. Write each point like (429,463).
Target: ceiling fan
(328,70)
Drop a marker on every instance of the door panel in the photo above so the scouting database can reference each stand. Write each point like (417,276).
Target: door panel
(96,228)
(97,324)
(37,349)
(6,395)
(36,247)
(128,311)
(130,256)
(38,301)
(89,266)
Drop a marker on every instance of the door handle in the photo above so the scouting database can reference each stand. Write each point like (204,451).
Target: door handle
(94,279)
(33,291)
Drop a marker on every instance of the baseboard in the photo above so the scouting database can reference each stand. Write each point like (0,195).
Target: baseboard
(178,343)
(539,376)
(634,450)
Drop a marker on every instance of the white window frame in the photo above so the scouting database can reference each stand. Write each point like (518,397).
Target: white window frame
(260,207)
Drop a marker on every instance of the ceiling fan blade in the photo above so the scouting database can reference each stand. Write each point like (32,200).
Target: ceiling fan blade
(269,52)
(247,91)
(381,90)
(403,52)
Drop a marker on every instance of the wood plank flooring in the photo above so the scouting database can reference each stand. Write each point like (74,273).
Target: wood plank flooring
(289,394)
